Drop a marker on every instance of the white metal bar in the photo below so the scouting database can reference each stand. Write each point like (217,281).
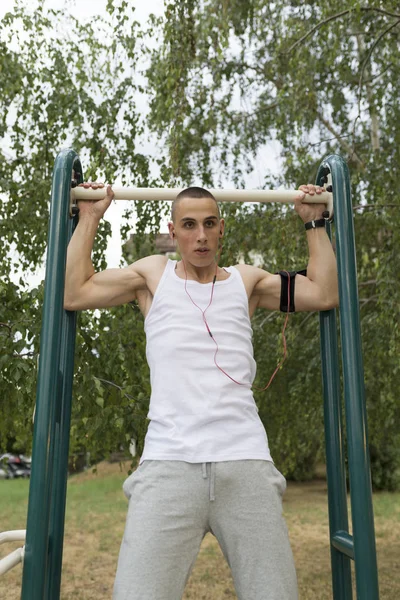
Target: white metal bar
(10,561)
(18,535)
(222,195)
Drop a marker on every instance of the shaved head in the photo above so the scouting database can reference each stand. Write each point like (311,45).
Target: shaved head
(191,192)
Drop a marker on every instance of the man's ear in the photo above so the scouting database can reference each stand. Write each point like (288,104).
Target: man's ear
(171,230)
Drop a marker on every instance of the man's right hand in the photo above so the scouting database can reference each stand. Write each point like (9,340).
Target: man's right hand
(95,208)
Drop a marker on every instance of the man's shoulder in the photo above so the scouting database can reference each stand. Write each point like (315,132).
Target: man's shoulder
(250,271)
(149,262)
(149,266)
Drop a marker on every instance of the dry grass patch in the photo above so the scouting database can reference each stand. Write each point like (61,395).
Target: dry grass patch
(96,517)
(102,471)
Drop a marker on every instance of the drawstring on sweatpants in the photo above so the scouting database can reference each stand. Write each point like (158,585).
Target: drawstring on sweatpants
(212,478)
(212,482)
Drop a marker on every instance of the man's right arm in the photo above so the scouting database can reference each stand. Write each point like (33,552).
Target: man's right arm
(86,289)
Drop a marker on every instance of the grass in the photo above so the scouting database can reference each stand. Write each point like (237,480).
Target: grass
(95,520)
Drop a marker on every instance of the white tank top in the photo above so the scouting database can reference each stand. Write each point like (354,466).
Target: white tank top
(197,414)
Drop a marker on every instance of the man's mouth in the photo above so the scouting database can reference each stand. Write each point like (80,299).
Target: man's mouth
(202,250)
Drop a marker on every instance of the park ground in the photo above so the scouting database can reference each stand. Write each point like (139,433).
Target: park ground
(96,509)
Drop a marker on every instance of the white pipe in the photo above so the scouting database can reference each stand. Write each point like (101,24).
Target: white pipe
(18,535)
(131,193)
(12,560)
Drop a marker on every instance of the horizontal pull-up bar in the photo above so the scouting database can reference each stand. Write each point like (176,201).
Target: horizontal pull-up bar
(222,195)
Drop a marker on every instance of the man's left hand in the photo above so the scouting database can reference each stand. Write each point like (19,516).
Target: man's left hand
(309,212)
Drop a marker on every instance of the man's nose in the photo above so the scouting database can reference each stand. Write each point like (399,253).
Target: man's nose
(202,234)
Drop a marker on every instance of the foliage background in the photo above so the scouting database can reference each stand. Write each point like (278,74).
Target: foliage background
(224,79)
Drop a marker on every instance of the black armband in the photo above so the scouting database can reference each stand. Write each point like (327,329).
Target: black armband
(287,289)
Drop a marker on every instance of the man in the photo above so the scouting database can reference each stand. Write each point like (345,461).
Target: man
(206,465)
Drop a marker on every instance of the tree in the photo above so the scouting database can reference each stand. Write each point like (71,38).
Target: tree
(226,78)
(64,82)
(231,76)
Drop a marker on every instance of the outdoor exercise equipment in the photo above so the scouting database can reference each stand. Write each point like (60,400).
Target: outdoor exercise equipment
(221,195)
(45,524)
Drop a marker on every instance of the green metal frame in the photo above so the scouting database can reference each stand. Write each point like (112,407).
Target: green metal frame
(48,485)
(361,545)
(46,510)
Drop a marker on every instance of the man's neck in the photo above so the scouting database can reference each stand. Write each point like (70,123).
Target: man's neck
(201,274)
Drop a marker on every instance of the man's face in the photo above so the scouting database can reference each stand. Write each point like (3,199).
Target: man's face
(197,230)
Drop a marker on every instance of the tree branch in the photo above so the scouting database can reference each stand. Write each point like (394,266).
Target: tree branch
(376,206)
(370,282)
(374,117)
(341,141)
(326,140)
(375,77)
(235,114)
(310,314)
(269,317)
(105,381)
(337,16)
(364,66)
(364,301)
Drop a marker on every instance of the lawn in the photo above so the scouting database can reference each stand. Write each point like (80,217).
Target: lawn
(95,521)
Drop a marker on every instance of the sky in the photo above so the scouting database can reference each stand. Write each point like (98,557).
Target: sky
(86,9)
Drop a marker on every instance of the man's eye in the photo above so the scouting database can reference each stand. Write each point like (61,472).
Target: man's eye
(210,223)
(188,225)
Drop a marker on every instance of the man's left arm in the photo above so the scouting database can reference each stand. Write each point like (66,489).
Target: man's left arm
(319,289)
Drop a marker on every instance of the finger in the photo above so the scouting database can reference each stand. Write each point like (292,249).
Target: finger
(300,196)
(110,192)
(311,189)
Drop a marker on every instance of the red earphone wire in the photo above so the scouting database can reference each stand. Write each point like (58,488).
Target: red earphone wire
(203,312)
(283,341)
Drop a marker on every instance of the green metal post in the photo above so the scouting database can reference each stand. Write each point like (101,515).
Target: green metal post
(57,516)
(335,464)
(361,546)
(45,524)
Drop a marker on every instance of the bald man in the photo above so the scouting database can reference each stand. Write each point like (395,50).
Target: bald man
(206,464)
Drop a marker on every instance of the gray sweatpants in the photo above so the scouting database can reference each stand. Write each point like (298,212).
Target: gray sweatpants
(173,504)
